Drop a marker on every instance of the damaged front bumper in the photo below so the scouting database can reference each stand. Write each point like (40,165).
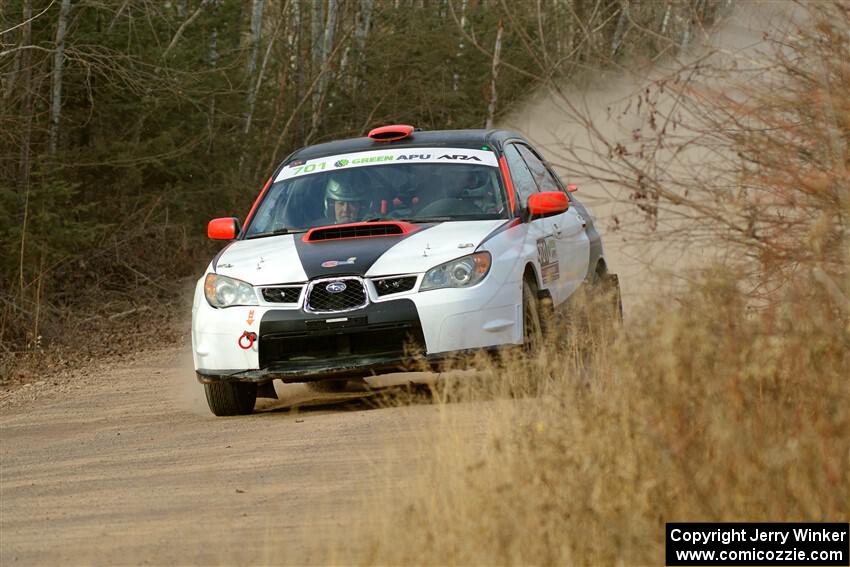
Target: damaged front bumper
(303,371)
(354,367)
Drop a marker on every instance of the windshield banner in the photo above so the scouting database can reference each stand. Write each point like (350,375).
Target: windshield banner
(388,156)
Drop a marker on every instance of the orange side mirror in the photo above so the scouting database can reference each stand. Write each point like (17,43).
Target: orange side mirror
(223,229)
(548,203)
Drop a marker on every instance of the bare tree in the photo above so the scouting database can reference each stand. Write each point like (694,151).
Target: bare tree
(317,22)
(293,38)
(622,20)
(26,107)
(666,20)
(361,33)
(56,79)
(497,50)
(327,47)
(212,61)
(460,45)
(541,38)
(253,79)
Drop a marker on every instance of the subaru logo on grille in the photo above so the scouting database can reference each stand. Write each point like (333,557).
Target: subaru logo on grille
(335,287)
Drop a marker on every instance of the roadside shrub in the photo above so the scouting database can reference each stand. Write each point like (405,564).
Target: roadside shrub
(699,411)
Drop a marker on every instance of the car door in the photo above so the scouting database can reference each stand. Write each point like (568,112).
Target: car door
(572,244)
(540,240)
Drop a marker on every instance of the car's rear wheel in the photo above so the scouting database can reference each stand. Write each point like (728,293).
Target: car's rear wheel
(231,398)
(609,304)
(328,386)
(599,311)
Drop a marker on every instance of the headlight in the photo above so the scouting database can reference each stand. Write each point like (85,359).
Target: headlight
(462,272)
(222,291)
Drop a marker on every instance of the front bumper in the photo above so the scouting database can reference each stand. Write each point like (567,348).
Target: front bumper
(380,338)
(415,331)
(295,346)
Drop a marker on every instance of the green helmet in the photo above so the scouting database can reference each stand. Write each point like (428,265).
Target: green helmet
(336,190)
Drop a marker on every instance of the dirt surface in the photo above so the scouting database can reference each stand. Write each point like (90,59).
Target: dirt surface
(127,466)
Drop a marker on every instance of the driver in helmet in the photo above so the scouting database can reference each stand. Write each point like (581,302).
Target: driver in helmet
(345,202)
(472,186)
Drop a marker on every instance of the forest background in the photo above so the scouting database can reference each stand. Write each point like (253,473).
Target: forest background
(126,125)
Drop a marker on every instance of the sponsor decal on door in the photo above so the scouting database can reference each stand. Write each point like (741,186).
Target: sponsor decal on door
(547,255)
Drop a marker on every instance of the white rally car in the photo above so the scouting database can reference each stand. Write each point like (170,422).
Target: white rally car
(367,255)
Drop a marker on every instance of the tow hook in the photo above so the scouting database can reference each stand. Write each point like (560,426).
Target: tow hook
(246,341)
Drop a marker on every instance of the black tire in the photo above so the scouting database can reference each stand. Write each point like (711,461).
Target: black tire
(231,398)
(612,287)
(328,386)
(532,325)
(606,288)
(601,312)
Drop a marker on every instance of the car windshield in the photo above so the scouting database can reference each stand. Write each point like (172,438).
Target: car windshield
(414,185)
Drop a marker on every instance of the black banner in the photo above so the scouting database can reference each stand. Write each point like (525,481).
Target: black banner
(757,544)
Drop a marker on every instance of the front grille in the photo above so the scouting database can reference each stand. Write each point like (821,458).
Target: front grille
(321,299)
(387,286)
(281,294)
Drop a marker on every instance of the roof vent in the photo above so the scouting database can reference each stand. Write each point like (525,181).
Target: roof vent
(391,133)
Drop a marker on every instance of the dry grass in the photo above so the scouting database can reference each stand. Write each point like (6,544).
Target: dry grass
(701,410)
(727,401)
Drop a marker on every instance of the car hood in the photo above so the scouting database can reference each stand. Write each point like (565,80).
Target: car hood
(288,259)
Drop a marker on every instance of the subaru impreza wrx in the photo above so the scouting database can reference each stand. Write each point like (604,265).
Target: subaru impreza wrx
(371,255)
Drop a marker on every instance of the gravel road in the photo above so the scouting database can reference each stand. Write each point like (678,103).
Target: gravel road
(125,465)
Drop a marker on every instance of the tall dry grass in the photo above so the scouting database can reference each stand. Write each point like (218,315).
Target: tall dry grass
(701,410)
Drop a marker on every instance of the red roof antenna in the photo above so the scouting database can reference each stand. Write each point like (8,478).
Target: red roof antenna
(391,133)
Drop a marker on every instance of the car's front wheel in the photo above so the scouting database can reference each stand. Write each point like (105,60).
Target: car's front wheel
(231,398)
(532,325)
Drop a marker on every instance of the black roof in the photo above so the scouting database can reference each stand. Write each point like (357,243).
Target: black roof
(419,139)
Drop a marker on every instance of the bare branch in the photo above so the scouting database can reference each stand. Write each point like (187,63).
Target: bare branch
(183,27)
(29,20)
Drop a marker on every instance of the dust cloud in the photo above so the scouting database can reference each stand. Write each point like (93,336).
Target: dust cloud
(650,261)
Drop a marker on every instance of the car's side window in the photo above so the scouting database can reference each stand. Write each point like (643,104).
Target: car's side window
(561,185)
(520,175)
(541,175)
